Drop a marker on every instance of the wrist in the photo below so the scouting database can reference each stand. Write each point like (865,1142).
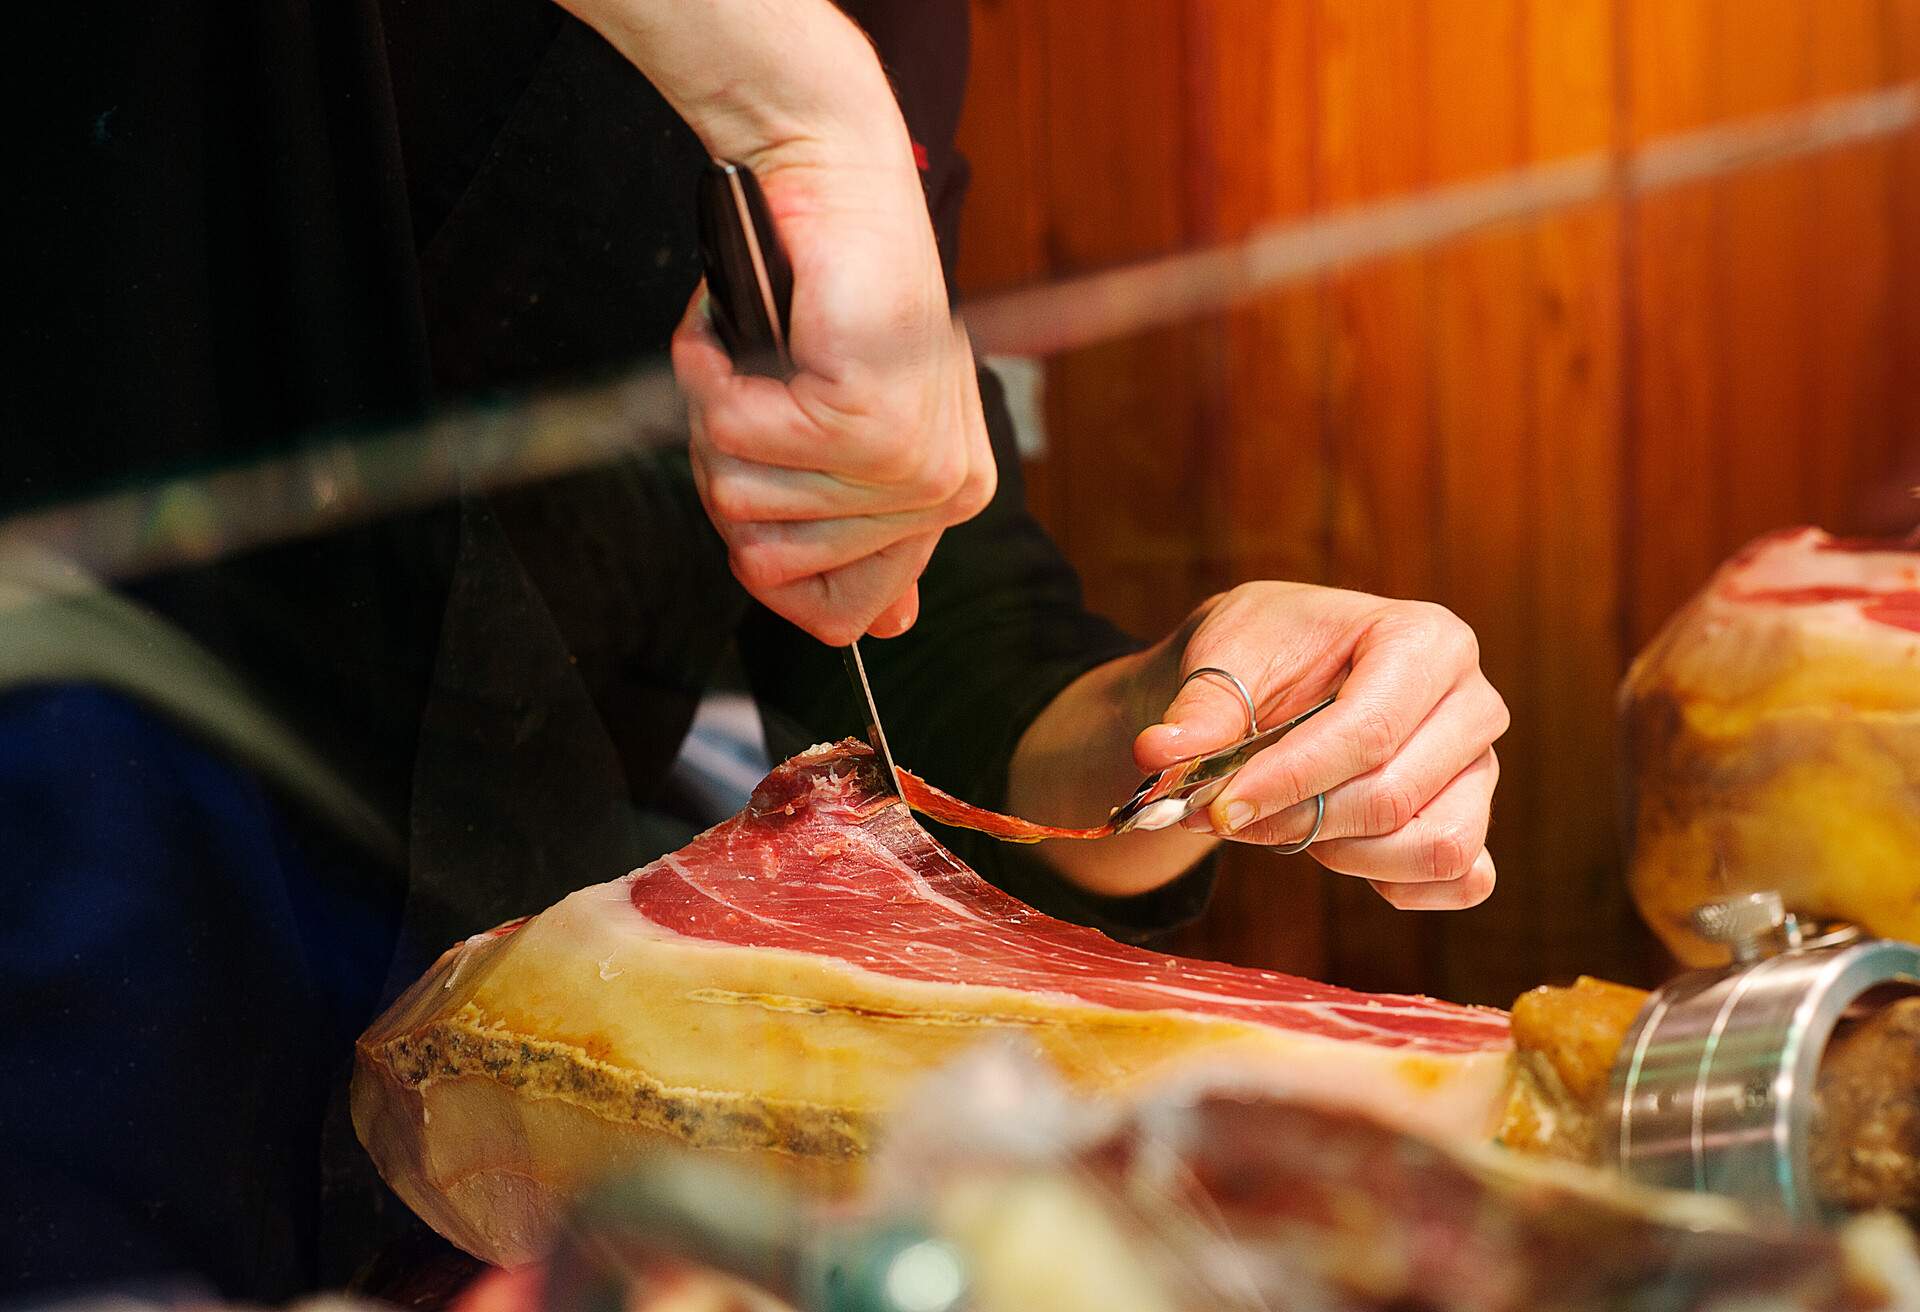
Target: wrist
(758,78)
(817,97)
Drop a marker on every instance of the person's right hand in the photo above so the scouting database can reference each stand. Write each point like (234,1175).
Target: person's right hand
(831,488)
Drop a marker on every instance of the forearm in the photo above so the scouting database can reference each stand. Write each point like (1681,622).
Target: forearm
(1075,763)
(750,76)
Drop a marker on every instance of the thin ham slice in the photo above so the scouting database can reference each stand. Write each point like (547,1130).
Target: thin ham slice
(1773,739)
(937,804)
(774,987)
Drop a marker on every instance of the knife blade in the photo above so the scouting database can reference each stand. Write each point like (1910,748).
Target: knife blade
(876,736)
(750,300)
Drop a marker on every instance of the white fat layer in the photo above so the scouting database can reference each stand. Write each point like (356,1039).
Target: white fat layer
(605,915)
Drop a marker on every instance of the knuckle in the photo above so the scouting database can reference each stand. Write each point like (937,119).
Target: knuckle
(1377,734)
(899,458)
(759,567)
(683,349)
(730,499)
(1502,716)
(725,433)
(1389,807)
(1469,640)
(964,504)
(976,493)
(1455,634)
(940,479)
(1446,632)
(1476,887)
(1449,853)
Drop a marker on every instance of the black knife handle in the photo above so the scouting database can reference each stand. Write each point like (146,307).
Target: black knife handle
(749,281)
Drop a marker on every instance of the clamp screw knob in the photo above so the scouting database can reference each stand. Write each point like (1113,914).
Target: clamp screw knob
(1746,923)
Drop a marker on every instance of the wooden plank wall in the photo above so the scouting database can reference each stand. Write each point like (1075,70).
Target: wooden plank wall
(1556,428)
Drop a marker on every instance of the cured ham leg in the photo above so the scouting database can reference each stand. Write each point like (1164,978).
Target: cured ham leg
(774,987)
(1773,740)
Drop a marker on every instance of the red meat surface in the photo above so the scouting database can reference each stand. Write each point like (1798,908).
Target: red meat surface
(825,861)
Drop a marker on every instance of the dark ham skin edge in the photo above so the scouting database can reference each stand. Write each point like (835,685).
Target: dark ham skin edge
(1869,546)
(825,861)
(1846,546)
(1897,608)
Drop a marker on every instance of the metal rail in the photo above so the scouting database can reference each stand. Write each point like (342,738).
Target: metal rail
(340,479)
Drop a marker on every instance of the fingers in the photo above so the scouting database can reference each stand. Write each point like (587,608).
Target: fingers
(768,556)
(1435,846)
(838,606)
(745,415)
(831,488)
(1437,861)
(920,444)
(1387,797)
(1401,671)
(1470,890)
(745,491)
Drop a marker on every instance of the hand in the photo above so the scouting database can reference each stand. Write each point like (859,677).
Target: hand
(832,488)
(1404,756)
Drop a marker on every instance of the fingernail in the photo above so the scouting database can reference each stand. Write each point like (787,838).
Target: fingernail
(1238,816)
(1166,730)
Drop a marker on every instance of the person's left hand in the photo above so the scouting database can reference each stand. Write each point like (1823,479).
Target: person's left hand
(1404,756)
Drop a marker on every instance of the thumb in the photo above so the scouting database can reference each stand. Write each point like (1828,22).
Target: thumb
(1205,715)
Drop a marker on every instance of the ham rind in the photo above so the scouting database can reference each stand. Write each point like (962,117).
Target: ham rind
(773,988)
(1773,740)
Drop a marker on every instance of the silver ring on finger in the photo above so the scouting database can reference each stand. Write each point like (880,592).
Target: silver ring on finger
(1246,698)
(1319,818)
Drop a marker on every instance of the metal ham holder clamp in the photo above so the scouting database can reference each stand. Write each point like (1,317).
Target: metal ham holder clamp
(1713,1089)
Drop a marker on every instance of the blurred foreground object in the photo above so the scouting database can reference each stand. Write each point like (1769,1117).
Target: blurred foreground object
(1222,1201)
(1865,1133)
(772,989)
(1772,737)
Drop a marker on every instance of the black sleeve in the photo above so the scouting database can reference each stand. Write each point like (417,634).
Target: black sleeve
(1002,631)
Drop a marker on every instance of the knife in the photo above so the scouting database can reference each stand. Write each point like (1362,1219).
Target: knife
(750,301)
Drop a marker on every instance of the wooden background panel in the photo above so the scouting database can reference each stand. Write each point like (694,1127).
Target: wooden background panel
(1898,469)
(1483,435)
(1671,386)
(1760,292)
(1124,415)
(1252,86)
(1850,313)
(1558,428)
(1581,914)
(1384,496)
